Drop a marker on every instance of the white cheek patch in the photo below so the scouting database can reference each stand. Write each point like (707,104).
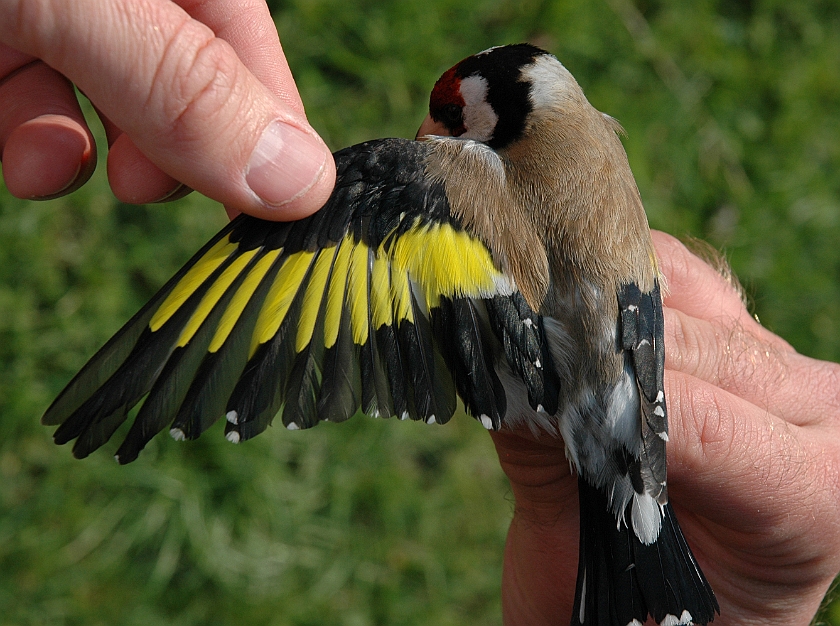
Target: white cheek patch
(479,117)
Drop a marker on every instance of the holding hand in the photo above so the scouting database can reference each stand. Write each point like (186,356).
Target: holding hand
(754,460)
(194,94)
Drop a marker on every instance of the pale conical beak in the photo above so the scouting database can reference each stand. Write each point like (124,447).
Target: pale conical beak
(431,127)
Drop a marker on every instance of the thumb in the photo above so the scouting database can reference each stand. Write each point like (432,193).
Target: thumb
(183,98)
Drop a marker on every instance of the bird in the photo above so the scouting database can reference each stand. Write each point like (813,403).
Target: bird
(502,257)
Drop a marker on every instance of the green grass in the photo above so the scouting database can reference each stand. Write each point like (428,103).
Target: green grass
(732,112)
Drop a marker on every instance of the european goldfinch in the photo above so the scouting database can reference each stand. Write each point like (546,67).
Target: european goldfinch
(503,257)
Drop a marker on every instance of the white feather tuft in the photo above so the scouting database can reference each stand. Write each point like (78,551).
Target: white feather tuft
(683,620)
(646,515)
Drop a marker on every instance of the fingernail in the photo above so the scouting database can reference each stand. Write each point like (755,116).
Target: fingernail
(180,191)
(286,163)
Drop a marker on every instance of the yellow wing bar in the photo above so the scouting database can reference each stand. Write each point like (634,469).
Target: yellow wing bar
(374,285)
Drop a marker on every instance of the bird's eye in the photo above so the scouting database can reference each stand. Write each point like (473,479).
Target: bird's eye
(451,115)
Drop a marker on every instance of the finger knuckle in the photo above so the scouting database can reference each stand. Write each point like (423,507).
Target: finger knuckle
(819,390)
(698,415)
(674,259)
(831,382)
(695,347)
(195,82)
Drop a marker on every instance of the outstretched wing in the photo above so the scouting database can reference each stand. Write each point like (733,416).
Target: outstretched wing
(381,301)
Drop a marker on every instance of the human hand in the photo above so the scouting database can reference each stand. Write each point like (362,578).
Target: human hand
(191,93)
(753,472)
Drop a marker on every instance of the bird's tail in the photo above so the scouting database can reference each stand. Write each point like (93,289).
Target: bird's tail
(621,581)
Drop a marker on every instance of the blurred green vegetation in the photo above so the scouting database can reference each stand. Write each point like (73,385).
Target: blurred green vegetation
(732,112)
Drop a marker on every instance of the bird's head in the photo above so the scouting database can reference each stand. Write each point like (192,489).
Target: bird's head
(495,96)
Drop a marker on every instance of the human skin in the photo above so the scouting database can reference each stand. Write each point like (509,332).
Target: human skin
(192,94)
(753,466)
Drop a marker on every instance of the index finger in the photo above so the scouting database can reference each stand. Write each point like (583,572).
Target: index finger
(184,97)
(711,336)
(693,286)
(700,291)
(248,27)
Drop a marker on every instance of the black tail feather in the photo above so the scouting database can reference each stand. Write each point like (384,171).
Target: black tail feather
(620,579)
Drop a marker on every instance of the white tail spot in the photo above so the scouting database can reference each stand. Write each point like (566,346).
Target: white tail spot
(647,518)
(671,620)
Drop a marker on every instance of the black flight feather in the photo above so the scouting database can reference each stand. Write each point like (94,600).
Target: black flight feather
(394,366)
(608,591)
(417,351)
(551,381)
(304,381)
(382,385)
(217,375)
(672,579)
(341,385)
(93,423)
(465,340)
(111,356)
(434,391)
(261,390)
(520,331)
(170,388)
